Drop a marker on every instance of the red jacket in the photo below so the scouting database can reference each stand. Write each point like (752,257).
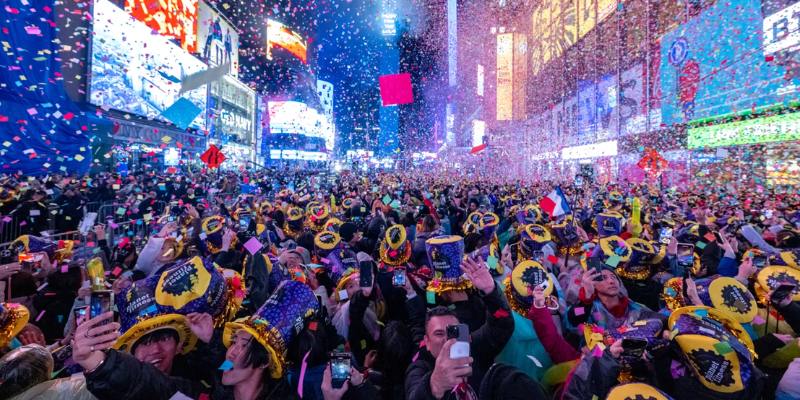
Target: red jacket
(559,349)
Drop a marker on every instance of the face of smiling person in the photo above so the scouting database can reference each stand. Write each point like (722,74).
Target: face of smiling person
(159,350)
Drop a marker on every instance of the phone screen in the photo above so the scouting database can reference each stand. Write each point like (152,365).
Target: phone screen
(100,303)
(538,256)
(665,235)
(365,273)
(759,261)
(80,314)
(634,347)
(399,278)
(685,254)
(340,369)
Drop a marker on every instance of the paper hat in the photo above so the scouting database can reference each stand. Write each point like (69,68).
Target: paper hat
(277,322)
(489,223)
(532,214)
(338,262)
(13,317)
(140,314)
(614,246)
(673,294)
(395,250)
(317,216)
(791,258)
(333,224)
(326,241)
(609,223)
(198,286)
(56,251)
(214,229)
(639,266)
(347,203)
(473,222)
(636,391)
(445,254)
(716,347)
(294,222)
(769,278)
(526,274)
(565,231)
(533,238)
(728,294)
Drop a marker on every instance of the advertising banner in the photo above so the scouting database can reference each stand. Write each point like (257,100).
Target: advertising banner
(135,71)
(280,36)
(505,77)
(175,19)
(217,40)
(716,64)
(778,128)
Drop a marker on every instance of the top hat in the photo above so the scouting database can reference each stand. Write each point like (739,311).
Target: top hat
(13,317)
(445,254)
(395,249)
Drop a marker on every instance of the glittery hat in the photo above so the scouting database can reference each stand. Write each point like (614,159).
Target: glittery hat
(527,274)
(730,295)
(639,266)
(325,242)
(277,322)
(13,317)
(636,391)
(769,278)
(214,230)
(395,249)
(56,251)
(445,254)
(473,222)
(609,223)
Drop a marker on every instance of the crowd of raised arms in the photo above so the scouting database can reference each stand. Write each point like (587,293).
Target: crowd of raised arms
(284,284)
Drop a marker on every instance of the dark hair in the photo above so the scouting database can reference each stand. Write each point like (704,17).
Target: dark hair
(396,350)
(65,282)
(472,242)
(428,223)
(439,311)
(157,336)
(256,356)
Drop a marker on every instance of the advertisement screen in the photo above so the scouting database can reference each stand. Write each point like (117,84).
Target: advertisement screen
(505,84)
(136,71)
(279,35)
(232,110)
(717,64)
(217,40)
(298,118)
(778,128)
(176,19)
(478,132)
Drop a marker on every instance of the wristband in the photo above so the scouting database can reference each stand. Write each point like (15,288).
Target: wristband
(102,361)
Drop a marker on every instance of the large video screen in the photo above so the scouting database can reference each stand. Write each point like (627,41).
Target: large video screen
(217,40)
(279,35)
(719,63)
(172,18)
(298,118)
(136,71)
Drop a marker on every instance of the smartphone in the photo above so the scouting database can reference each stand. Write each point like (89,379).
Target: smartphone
(633,347)
(685,254)
(460,333)
(782,292)
(80,314)
(340,369)
(538,256)
(100,303)
(244,222)
(399,278)
(665,235)
(760,261)
(365,274)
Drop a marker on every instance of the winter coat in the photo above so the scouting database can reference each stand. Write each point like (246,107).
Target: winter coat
(487,342)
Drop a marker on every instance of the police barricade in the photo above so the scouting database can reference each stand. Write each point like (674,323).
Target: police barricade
(10,227)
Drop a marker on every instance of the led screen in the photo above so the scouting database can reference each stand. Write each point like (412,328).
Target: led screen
(135,71)
(172,18)
(279,35)
(778,128)
(298,118)
(717,63)
(217,40)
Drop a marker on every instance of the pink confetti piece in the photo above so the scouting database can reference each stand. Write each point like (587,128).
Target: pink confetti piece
(41,314)
(579,311)
(33,30)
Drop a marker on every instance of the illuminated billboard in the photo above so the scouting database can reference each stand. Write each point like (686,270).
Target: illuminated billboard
(217,39)
(298,118)
(505,77)
(557,25)
(778,128)
(135,71)
(279,35)
(715,64)
(478,132)
(176,19)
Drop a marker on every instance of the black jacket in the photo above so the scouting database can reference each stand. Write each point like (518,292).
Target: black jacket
(487,342)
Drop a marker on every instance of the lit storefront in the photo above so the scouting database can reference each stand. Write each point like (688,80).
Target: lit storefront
(596,160)
(232,120)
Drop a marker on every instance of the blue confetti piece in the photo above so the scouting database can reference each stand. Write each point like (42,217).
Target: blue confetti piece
(181,113)
(227,365)
(701,313)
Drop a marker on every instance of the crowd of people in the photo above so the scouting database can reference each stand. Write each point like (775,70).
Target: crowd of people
(279,284)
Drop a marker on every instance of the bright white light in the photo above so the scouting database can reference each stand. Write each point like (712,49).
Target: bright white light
(588,151)
(299,118)
(297,155)
(478,132)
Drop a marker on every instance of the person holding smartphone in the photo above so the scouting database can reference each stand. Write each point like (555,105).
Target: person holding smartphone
(434,373)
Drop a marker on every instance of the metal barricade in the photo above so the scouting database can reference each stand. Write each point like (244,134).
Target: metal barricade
(10,227)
